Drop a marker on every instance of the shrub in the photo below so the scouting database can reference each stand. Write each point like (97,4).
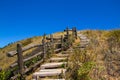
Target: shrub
(2,75)
(113,40)
(80,65)
(85,69)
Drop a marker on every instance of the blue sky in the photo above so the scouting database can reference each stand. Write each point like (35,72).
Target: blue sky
(20,19)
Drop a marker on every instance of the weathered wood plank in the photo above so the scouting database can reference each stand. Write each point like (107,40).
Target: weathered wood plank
(27,70)
(44,48)
(52,65)
(0,69)
(52,70)
(12,53)
(20,60)
(61,42)
(33,66)
(27,59)
(47,73)
(76,32)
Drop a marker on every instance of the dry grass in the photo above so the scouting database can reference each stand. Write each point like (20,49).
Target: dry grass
(107,63)
(5,61)
(105,69)
(99,51)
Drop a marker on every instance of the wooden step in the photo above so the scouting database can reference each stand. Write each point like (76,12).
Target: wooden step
(58,59)
(48,73)
(52,65)
(52,70)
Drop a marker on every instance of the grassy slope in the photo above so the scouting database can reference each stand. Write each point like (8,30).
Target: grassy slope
(107,64)
(6,61)
(100,60)
(106,54)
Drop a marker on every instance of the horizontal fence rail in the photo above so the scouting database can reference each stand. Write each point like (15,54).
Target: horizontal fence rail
(39,54)
(12,53)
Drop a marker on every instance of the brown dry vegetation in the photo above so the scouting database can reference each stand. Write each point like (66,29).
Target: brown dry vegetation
(100,60)
(6,61)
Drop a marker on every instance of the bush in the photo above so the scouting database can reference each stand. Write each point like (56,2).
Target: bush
(80,65)
(113,39)
(2,75)
(115,34)
(84,70)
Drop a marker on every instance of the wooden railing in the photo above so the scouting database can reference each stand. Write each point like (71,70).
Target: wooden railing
(39,55)
(0,69)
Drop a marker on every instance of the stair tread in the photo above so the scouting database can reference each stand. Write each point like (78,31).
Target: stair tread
(49,70)
(57,58)
(45,73)
(52,65)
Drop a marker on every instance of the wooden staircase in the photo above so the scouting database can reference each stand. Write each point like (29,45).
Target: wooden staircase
(54,69)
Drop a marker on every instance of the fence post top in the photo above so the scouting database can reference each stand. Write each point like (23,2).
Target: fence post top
(19,44)
(0,69)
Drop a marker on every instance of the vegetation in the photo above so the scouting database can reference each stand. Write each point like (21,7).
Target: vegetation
(80,65)
(113,40)
(12,46)
(100,59)
(84,70)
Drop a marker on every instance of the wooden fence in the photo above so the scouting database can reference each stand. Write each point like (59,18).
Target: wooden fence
(23,63)
(0,69)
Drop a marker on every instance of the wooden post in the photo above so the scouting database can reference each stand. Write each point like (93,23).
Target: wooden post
(20,60)
(75,33)
(51,38)
(61,42)
(0,69)
(67,31)
(52,43)
(44,48)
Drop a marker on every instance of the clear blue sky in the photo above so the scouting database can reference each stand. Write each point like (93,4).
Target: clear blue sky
(20,19)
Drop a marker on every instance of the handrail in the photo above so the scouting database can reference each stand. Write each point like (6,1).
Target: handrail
(29,58)
(12,53)
(44,47)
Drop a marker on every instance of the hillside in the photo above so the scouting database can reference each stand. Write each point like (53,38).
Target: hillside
(99,60)
(6,61)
